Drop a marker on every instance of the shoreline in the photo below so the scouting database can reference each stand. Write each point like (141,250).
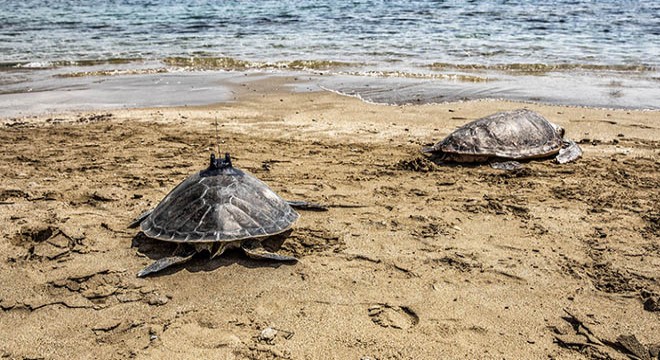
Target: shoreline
(124,86)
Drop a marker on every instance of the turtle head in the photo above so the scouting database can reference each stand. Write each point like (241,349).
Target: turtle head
(558,129)
(220,163)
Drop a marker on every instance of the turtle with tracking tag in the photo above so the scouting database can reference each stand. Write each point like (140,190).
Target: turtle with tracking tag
(504,137)
(216,209)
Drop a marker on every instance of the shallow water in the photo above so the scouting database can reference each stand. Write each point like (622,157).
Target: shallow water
(601,53)
(417,33)
(48,95)
(612,90)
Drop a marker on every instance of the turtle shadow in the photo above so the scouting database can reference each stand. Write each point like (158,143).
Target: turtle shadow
(157,249)
(497,163)
(440,160)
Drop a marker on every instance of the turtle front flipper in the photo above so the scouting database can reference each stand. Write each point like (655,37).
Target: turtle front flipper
(430,150)
(179,257)
(136,222)
(255,250)
(570,151)
(306,205)
(506,165)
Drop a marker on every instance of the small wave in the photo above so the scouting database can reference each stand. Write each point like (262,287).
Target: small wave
(38,65)
(317,64)
(535,68)
(9,65)
(94,62)
(412,75)
(34,65)
(229,63)
(138,66)
(115,72)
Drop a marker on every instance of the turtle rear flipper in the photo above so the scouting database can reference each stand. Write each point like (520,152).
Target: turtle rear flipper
(570,151)
(179,257)
(255,250)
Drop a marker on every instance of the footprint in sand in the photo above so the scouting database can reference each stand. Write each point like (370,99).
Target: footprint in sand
(43,243)
(198,336)
(397,317)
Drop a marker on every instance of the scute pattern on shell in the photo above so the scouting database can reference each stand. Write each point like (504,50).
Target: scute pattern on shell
(517,134)
(226,205)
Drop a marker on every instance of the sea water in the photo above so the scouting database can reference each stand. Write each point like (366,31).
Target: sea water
(598,53)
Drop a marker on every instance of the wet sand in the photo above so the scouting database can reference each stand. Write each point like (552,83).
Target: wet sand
(412,261)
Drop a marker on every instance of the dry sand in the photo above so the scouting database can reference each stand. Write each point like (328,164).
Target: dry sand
(414,261)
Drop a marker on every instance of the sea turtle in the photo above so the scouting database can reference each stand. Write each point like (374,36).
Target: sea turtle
(509,135)
(216,209)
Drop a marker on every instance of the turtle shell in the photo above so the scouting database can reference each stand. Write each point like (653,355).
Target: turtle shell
(517,134)
(219,204)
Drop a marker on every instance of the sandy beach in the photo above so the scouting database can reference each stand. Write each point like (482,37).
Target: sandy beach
(412,260)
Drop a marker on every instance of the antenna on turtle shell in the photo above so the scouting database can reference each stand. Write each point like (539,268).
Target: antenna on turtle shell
(218,163)
(217,140)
